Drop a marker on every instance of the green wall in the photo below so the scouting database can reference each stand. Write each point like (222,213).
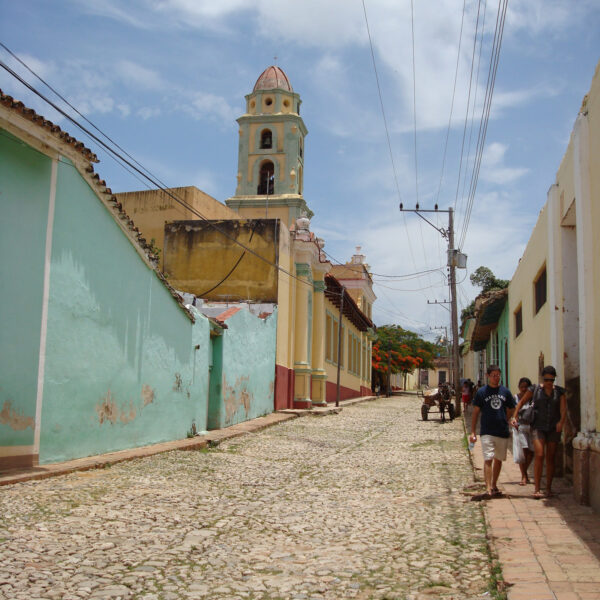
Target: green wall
(502,329)
(121,368)
(244,381)
(24,199)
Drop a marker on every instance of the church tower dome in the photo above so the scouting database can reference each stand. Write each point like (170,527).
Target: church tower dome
(271,151)
(273,78)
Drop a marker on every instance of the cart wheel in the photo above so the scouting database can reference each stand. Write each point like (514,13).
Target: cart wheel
(424,411)
(451,411)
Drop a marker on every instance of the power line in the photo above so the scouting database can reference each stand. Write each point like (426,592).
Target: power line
(492,71)
(387,133)
(475,97)
(462,20)
(468,102)
(150,177)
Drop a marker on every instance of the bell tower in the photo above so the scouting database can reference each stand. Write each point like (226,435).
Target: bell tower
(271,152)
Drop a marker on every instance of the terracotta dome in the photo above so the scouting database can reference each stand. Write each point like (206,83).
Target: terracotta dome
(273,78)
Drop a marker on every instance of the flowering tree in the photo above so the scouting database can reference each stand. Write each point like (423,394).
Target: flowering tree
(399,350)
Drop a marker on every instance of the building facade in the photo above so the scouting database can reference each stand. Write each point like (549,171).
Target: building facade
(98,352)
(270,254)
(554,313)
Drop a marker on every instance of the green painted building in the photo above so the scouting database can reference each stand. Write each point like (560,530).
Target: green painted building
(97,352)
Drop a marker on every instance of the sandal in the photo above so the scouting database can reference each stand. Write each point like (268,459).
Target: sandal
(538,495)
(549,494)
(496,493)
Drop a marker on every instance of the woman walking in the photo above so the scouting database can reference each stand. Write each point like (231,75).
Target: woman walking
(523,429)
(550,412)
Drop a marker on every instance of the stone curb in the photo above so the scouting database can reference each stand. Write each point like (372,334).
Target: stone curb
(213,438)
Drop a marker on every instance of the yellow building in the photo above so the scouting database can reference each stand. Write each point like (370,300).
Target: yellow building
(553,297)
(151,209)
(279,261)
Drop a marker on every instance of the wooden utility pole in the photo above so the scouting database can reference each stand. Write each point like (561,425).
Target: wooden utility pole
(452,258)
(455,259)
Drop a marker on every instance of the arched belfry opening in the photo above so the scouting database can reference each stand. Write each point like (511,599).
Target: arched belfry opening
(266,178)
(266,139)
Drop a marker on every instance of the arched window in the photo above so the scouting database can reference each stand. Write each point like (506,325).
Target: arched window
(266,139)
(266,178)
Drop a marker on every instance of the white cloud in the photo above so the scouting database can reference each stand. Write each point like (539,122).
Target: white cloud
(138,76)
(147,112)
(493,169)
(203,105)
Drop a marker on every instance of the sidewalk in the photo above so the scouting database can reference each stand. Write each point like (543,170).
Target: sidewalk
(549,549)
(198,442)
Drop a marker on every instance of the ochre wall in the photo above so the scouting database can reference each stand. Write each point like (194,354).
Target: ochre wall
(198,257)
(535,336)
(151,209)
(348,380)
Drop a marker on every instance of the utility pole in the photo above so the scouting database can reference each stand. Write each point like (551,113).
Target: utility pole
(455,259)
(455,356)
(389,372)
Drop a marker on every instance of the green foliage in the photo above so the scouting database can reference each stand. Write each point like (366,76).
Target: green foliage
(407,350)
(484,278)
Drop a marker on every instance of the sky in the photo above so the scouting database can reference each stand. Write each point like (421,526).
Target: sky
(166,80)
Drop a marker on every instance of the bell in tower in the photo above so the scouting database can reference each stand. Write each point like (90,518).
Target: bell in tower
(271,151)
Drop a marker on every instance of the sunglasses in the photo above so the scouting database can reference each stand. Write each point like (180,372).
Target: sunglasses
(549,378)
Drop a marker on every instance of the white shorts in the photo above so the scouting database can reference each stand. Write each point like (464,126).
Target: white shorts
(494,447)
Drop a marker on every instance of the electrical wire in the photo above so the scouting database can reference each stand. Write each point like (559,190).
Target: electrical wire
(462,149)
(474,101)
(462,21)
(387,133)
(150,177)
(492,71)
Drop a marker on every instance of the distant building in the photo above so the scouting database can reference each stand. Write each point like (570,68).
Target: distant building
(259,248)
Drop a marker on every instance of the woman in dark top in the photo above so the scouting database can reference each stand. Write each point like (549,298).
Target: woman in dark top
(550,413)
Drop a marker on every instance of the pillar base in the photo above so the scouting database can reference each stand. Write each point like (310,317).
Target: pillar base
(302,386)
(318,384)
(581,469)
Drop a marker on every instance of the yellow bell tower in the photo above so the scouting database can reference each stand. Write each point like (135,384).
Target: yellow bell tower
(271,152)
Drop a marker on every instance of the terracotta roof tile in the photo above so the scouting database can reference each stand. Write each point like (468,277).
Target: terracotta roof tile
(135,235)
(30,114)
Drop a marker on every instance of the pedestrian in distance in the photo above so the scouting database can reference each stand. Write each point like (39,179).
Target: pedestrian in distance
(466,394)
(523,433)
(550,412)
(496,404)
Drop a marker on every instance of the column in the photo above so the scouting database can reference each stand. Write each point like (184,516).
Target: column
(319,376)
(302,322)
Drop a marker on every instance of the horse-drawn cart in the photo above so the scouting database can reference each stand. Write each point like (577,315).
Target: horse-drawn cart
(440,397)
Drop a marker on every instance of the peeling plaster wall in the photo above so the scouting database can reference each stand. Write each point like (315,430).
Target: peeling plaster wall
(121,367)
(248,369)
(24,200)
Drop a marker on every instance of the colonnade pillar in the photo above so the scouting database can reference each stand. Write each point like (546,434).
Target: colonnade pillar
(319,376)
(303,336)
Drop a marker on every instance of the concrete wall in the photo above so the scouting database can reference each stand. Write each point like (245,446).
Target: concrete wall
(534,339)
(355,382)
(242,382)
(199,259)
(24,198)
(121,368)
(123,363)
(151,209)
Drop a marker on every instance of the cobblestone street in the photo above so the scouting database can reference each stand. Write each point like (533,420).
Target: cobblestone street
(367,503)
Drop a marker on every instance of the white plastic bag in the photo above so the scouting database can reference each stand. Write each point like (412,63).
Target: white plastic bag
(518,454)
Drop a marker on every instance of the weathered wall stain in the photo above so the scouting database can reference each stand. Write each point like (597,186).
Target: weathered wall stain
(16,421)
(236,396)
(178,382)
(108,411)
(147,394)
